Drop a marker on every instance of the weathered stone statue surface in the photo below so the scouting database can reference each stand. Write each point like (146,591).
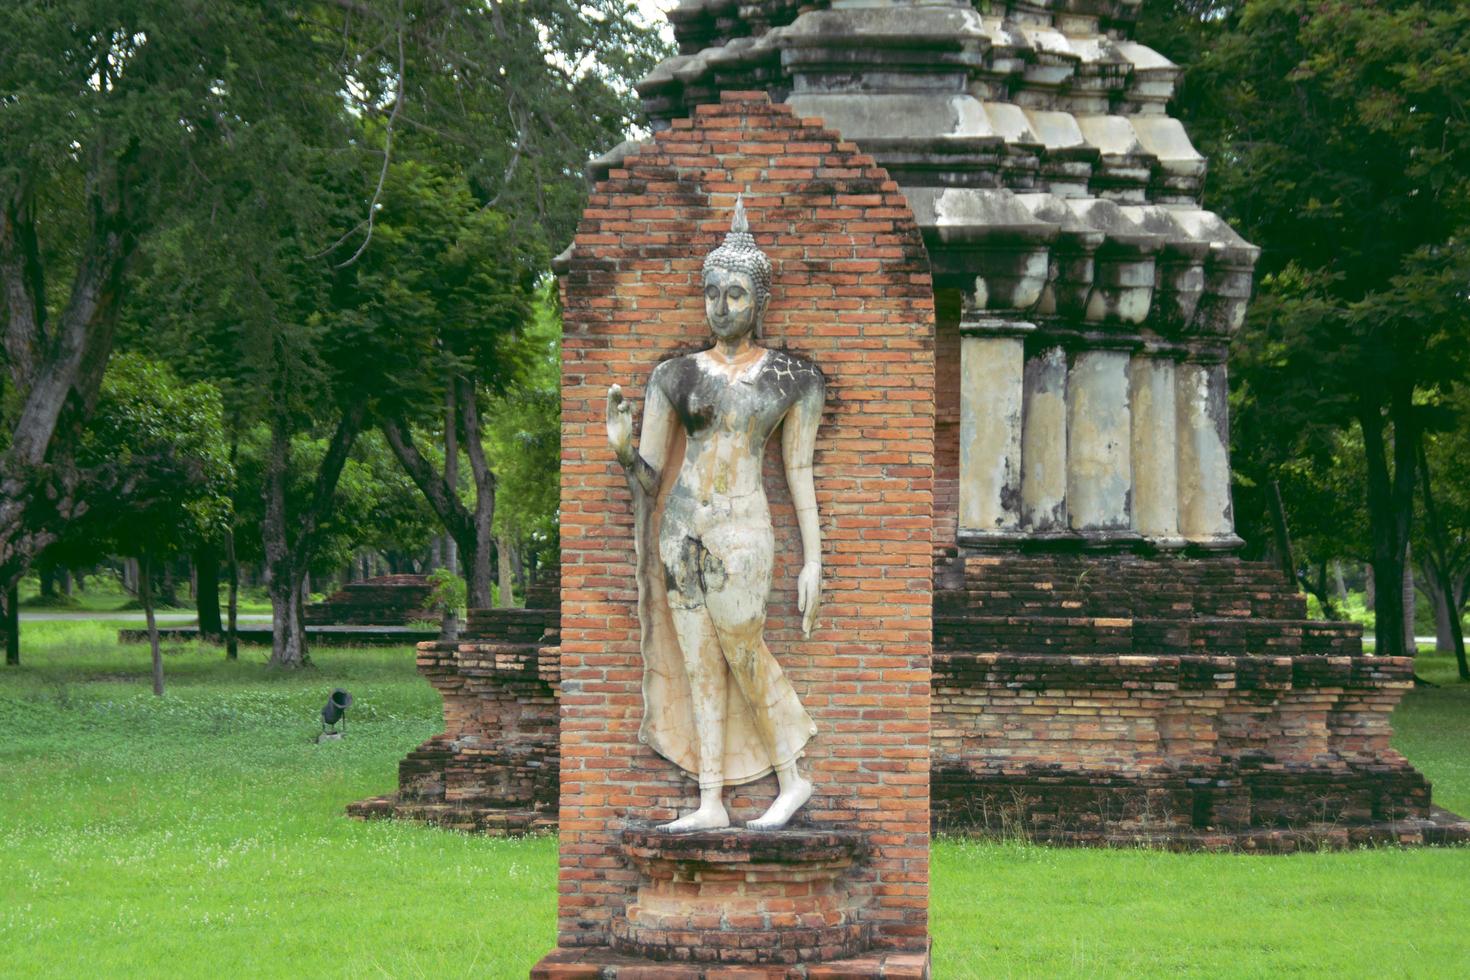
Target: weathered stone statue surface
(716,702)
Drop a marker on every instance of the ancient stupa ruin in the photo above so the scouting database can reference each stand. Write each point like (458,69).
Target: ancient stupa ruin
(1105,669)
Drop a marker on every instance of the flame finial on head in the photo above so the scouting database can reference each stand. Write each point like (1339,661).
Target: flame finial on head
(737,221)
(739,253)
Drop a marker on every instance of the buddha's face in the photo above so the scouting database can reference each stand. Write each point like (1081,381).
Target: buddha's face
(730,303)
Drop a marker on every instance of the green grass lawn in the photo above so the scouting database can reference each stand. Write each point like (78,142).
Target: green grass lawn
(203,834)
(106,595)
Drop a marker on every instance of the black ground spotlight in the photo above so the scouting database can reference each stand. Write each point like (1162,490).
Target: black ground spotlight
(334,714)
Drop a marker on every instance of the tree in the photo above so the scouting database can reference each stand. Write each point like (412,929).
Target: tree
(111,110)
(1338,132)
(158,475)
(448,285)
(1299,473)
(379,509)
(236,158)
(525,448)
(238,283)
(339,290)
(496,126)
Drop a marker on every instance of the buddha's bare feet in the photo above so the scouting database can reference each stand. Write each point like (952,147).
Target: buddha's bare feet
(709,816)
(784,807)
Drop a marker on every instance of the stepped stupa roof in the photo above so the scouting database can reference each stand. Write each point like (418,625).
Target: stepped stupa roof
(1024,134)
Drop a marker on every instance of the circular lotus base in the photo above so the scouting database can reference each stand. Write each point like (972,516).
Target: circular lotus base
(740,896)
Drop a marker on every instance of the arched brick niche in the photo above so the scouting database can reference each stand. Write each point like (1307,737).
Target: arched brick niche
(851,292)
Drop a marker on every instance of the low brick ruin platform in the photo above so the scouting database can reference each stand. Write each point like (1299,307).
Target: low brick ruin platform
(494,769)
(606,963)
(389,600)
(1077,699)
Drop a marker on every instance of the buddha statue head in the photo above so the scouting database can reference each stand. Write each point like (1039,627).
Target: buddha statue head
(737,282)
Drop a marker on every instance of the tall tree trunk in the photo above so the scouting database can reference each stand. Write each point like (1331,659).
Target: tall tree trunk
(1410,639)
(287,648)
(1390,509)
(1285,559)
(1329,609)
(55,363)
(298,620)
(145,593)
(1317,588)
(483,520)
(10,625)
(206,590)
(505,572)
(46,572)
(1370,591)
(449,552)
(288,639)
(168,594)
(232,611)
(232,567)
(1339,585)
(471,531)
(289,560)
(1439,558)
(1440,603)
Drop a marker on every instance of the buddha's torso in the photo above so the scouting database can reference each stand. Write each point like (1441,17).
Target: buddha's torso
(728,412)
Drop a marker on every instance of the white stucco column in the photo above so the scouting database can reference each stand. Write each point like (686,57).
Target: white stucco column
(1044,444)
(1099,446)
(1203,420)
(1151,384)
(992,363)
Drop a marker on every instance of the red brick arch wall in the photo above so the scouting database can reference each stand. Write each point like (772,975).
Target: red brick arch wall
(852,292)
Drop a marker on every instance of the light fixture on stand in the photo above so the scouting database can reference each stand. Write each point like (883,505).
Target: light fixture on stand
(334,715)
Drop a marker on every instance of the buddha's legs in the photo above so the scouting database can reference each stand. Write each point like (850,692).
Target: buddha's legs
(708,681)
(736,563)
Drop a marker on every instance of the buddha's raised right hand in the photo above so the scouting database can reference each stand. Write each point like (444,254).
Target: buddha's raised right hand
(620,425)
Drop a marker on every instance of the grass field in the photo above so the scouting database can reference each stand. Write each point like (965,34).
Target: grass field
(105,594)
(202,833)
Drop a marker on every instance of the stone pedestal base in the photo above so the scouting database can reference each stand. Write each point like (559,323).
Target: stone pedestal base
(739,896)
(739,904)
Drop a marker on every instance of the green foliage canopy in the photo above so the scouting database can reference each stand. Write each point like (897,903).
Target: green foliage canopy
(159,477)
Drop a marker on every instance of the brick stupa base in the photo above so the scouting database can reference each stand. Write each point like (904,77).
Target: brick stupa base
(1189,704)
